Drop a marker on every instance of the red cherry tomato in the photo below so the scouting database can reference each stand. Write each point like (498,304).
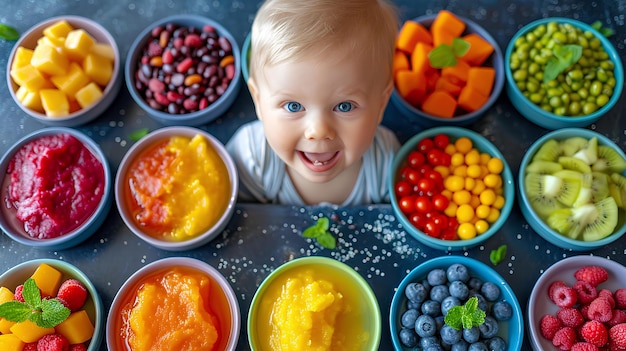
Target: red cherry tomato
(441,141)
(449,234)
(418,220)
(432,229)
(407,204)
(437,179)
(416,159)
(426,185)
(425,145)
(440,202)
(441,220)
(403,188)
(413,176)
(423,204)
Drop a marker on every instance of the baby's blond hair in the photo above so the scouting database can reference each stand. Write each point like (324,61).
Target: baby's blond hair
(286,30)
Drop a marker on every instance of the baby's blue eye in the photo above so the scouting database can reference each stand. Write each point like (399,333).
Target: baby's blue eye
(293,106)
(344,106)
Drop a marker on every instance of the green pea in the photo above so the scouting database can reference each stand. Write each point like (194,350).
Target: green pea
(602,100)
(520,75)
(560,111)
(583,92)
(574,108)
(565,99)
(555,101)
(596,88)
(575,75)
(560,38)
(532,86)
(589,108)
(535,98)
(602,76)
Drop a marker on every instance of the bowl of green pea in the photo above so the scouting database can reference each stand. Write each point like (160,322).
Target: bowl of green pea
(562,73)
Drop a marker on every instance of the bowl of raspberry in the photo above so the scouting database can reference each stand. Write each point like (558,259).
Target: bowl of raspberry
(579,303)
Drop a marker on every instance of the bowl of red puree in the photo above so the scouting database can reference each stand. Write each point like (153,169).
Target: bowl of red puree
(56,188)
(172,302)
(176,188)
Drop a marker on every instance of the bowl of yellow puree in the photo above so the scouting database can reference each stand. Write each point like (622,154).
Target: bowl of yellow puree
(314,303)
(176,188)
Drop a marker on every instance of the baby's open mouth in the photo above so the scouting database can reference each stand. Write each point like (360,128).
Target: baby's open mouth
(319,161)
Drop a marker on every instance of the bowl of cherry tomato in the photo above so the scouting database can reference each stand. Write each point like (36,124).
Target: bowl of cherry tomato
(451,188)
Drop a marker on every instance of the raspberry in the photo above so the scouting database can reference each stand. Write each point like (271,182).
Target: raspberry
(617,336)
(30,347)
(17,295)
(53,342)
(592,274)
(619,316)
(585,291)
(73,294)
(620,298)
(607,294)
(564,296)
(77,347)
(564,338)
(584,346)
(555,284)
(595,333)
(570,317)
(600,310)
(549,326)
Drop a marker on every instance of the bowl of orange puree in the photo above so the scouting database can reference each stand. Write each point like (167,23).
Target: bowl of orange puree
(314,303)
(175,303)
(176,188)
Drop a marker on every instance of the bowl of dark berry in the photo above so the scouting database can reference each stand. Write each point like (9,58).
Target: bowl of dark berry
(455,302)
(184,70)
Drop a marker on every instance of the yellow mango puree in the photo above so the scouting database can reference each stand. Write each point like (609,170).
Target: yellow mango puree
(170,312)
(178,188)
(311,310)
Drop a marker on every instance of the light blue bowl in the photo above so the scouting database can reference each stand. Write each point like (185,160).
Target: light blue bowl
(245,57)
(495,61)
(549,120)
(481,144)
(15,229)
(514,335)
(93,306)
(535,222)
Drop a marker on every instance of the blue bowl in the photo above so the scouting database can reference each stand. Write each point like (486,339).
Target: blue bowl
(245,57)
(513,333)
(481,144)
(549,120)
(15,229)
(495,60)
(535,222)
(213,111)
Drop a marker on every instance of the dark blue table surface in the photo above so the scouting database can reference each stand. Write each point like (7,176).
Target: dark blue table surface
(261,237)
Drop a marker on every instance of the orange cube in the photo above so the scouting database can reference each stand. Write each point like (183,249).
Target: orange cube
(439,103)
(411,86)
(479,50)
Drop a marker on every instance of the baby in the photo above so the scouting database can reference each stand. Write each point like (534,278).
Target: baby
(320,79)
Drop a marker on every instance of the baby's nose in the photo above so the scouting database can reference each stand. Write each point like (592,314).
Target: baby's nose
(319,127)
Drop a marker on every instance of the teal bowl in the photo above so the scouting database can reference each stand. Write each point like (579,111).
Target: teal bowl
(480,143)
(533,219)
(546,119)
(512,332)
(93,306)
(245,59)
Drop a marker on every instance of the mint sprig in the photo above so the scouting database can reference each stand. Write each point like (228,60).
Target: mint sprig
(497,255)
(562,57)
(445,55)
(606,32)
(8,33)
(466,316)
(138,134)
(46,313)
(319,231)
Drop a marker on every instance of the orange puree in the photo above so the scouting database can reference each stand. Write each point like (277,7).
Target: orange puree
(178,188)
(170,312)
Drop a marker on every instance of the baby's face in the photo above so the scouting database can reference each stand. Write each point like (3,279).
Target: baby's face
(320,114)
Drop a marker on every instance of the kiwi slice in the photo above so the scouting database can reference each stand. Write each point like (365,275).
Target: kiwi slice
(609,161)
(617,189)
(575,164)
(599,186)
(589,153)
(543,167)
(547,192)
(572,145)
(589,222)
(549,151)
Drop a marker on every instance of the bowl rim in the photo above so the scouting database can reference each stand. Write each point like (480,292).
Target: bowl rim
(364,286)
(565,120)
(245,48)
(187,118)
(89,226)
(453,132)
(136,150)
(478,268)
(172,262)
(498,65)
(533,219)
(70,270)
(112,87)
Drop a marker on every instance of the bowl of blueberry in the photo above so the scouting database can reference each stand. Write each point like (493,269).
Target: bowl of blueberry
(457,303)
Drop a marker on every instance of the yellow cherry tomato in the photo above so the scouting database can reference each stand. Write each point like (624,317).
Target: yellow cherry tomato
(482,211)
(495,165)
(461,197)
(487,197)
(463,145)
(481,226)
(494,214)
(465,213)
(454,183)
(474,171)
(466,231)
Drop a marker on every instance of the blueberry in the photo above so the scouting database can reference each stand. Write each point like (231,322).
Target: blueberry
(408,318)
(439,292)
(448,303)
(431,308)
(416,292)
(478,346)
(457,271)
(425,326)
(429,341)
(433,348)
(437,276)
(440,321)
(462,345)
(459,290)
(496,344)
(490,291)
(450,335)
(475,283)
(502,310)
(426,284)
(489,329)
(408,337)
(471,335)
(413,305)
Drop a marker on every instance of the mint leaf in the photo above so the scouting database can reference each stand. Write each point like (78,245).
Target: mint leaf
(607,32)
(31,293)
(466,316)
(562,57)
(454,317)
(8,33)
(460,47)
(138,134)
(327,240)
(46,313)
(445,55)
(497,255)
(319,231)
(53,312)
(15,311)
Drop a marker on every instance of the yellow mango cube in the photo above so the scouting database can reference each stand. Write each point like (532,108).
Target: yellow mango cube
(5,295)
(104,50)
(28,331)
(22,57)
(5,325)
(98,68)
(48,278)
(88,95)
(71,82)
(29,77)
(59,29)
(77,328)
(55,104)
(56,42)
(78,43)
(30,99)
(49,60)
(10,342)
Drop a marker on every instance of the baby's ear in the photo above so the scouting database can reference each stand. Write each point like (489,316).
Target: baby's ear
(254,92)
(385,100)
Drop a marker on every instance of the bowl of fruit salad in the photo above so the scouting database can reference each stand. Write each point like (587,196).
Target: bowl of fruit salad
(562,73)
(451,188)
(572,189)
(452,300)
(64,71)
(580,300)
(448,70)
(63,307)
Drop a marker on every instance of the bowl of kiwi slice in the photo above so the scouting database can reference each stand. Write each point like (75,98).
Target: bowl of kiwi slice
(572,189)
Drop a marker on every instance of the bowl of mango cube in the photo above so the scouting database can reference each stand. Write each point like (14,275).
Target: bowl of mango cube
(64,71)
